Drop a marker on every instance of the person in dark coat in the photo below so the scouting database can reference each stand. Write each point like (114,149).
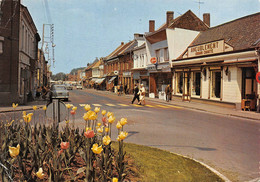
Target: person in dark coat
(168,92)
(136,94)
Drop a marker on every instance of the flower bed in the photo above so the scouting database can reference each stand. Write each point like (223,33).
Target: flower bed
(34,152)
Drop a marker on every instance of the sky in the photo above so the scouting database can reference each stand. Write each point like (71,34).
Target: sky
(86,29)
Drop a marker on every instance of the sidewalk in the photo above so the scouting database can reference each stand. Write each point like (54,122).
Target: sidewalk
(28,106)
(214,108)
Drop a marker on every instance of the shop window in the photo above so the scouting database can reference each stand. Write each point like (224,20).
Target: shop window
(166,54)
(179,83)
(249,86)
(196,83)
(216,84)
(157,54)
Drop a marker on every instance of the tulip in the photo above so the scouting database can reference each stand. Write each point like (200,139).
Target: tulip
(106,140)
(118,125)
(74,108)
(24,113)
(27,118)
(60,152)
(97,149)
(107,130)
(122,135)
(40,174)
(115,180)
(104,120)
(93,116)
(9,124)
(103,112)
(111,119)
(67,121)
(88,129)
(123,121)
(64,145)
(69,106)
(85,117)
(110,114)
(34,108)
(14,105)
(99,124)
(44,108)
(89,134)
(100,130)
(87,107)
(72,112)
(14,151)
(97,109)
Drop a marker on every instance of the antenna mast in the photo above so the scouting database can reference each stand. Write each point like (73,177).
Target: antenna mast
(199,2)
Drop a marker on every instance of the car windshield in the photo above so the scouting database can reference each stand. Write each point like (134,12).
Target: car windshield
(59,87)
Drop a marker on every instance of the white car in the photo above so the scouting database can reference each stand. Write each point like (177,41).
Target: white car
(59,92)
(79,87)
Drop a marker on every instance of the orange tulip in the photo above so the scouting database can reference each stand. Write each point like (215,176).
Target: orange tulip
(64,145)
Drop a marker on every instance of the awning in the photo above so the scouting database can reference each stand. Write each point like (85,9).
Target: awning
(100,80)
(111,79)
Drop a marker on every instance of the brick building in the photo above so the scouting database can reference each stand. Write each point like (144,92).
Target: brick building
(18,53)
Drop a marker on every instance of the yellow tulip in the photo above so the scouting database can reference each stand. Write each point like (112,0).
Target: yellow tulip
(40,173)
(122,135)
(110,114)
(123,121)
(14,105)
(88,129)
(99,124)
(34,108)
(87,107)
(27,118)
(69,106)
(115,180)
(100,129)
(14,151)
(74,108)
(111,119)
(44,108)
(24,113)
(97,149)
(93,116)
(67,121)
(118,125)
(103,112)
(97,109)
(106,140)
(85,116)
(107,130)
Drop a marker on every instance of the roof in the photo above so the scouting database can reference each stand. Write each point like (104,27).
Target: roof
(97,64)
(91,65)
(115,51)
(186,21)
(241,33)
(140,47)
(120,50)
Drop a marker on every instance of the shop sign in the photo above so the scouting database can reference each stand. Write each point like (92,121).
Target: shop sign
(151,68)
(258,77)
(127,74)
(205,49)
(166,69)
(153,60)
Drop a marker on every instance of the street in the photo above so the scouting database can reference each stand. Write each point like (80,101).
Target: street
(229,145)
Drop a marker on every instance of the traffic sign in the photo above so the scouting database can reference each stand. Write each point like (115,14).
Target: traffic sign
(258,77)
(153,60)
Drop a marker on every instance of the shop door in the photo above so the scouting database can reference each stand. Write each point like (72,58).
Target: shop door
(186,89)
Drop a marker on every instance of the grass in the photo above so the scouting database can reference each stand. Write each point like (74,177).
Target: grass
(162,166)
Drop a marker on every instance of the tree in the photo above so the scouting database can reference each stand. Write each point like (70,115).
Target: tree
(59,76)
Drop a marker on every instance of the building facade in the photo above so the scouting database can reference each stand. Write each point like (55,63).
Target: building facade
(221,64)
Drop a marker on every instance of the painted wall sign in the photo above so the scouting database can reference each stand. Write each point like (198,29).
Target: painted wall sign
(205,49)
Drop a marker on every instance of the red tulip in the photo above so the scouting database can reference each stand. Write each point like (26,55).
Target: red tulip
(60,152)
(89,134)
(64,145)
(104,119)
(72,112)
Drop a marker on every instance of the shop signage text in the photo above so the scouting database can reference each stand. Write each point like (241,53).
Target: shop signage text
(127,74)
(204,49)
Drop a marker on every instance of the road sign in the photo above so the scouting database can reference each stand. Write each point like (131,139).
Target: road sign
(258,77)
(153,60)
(56,111)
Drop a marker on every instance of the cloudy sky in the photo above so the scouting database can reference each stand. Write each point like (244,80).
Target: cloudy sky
(86,29)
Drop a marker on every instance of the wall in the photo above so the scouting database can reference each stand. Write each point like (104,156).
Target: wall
(137,61)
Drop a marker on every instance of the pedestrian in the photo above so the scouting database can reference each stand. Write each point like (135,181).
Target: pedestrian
(121,89)
(168,92)
(125,88)
(141,95)
(38,92)
(136,94)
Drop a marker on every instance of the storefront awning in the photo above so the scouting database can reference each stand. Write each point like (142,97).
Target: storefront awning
(100,80)
(112,79)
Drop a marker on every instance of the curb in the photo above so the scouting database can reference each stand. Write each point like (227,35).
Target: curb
(21,109)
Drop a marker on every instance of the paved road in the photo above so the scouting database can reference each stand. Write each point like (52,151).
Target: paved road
(228,144)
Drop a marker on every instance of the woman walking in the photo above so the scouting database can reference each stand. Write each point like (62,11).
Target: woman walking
(141,95)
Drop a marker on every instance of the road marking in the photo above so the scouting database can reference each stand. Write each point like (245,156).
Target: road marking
(82,105)
(96,105)
(136,105)
(162,106)
(110,105)
(149,105)
(123,105)
(177,107)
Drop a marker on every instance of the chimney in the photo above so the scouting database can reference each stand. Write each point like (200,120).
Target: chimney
(151,25)
(138,36)
(122,43)
(169,17)
(206,18)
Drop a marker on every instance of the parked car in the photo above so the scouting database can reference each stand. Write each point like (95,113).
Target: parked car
(79,87)
(69,87)
(59,92)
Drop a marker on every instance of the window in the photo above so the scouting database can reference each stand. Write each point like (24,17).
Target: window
(179,82)
(196,83)
(216,84)
(157,55)
(166,54)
